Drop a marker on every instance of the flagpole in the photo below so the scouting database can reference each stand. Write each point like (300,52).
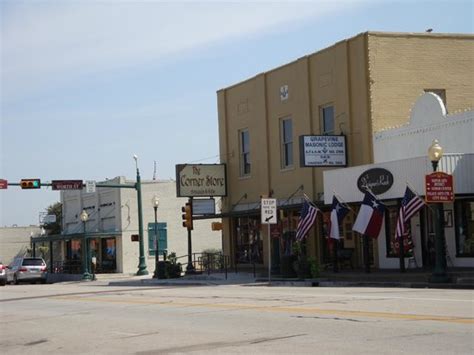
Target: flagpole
(343,202)
(366,253)
(417,194)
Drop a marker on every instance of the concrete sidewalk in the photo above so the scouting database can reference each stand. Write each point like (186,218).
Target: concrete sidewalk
(355,279)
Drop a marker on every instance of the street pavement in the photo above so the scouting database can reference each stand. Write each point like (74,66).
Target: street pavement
(123,314)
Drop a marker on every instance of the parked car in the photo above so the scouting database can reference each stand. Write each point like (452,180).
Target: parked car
(27,269)
(3,274)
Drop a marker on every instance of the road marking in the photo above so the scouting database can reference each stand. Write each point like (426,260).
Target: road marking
(285,309)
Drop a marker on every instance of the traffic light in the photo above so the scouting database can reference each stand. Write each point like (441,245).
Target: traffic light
(30,183)
(187,216)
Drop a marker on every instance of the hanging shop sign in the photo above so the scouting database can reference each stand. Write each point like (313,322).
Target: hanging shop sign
(376,180)
(321,151)
(201,180)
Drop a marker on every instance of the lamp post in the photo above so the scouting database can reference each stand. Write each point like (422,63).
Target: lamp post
(155,202)
(85,250)
(138,186)
(435,153)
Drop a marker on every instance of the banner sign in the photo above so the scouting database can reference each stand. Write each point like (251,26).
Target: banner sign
(201,180)
(322,151)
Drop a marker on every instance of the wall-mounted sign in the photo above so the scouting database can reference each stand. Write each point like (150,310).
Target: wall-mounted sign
(283,92)
(376,180)
(439,187)
(195,180)
(318,151)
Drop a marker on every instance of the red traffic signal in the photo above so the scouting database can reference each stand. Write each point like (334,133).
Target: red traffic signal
(187,216)
(30,183)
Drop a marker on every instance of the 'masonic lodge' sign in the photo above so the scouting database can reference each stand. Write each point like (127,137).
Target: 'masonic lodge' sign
(200,180)
(317,151)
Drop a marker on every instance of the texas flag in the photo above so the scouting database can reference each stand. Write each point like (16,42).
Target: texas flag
(370,217)
(338,212)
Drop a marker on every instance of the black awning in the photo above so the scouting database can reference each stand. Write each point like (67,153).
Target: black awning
(64,237)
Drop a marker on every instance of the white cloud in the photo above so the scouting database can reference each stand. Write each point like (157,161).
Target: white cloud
(50,43)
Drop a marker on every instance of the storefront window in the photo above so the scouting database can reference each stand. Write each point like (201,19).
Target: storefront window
(393,246)
(464,215)
(248,241)
(108,262)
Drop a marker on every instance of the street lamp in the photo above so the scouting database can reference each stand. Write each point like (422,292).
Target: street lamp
(138,186)
(155,202)
(85,250)
(435,153)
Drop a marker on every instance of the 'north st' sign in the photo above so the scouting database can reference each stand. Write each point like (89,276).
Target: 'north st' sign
(66,185)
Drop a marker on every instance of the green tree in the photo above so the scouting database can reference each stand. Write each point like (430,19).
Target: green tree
(54,228)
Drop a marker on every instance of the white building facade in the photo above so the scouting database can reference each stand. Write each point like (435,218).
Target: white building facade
(112,219)
(402,153)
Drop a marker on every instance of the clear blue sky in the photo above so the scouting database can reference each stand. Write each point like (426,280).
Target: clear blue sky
(87,84)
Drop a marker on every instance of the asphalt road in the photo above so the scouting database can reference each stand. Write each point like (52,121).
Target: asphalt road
(94,318)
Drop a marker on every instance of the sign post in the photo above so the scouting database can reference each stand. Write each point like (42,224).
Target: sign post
(269,216)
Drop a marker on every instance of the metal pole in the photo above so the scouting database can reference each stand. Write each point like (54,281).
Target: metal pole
(141,264)
(439,272)
(85,257)
(157,248)
(335,248)
(269,257)
(189,267)
(402,254)
(366,253)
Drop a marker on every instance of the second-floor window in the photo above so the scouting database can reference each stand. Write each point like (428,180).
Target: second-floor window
(327,119)
(244,152)
(286,133)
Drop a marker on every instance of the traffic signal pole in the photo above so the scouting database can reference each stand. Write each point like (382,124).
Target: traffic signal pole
(187,217)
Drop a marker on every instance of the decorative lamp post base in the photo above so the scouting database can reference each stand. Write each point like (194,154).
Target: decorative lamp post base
(87,277)
(142,272)
(439,278)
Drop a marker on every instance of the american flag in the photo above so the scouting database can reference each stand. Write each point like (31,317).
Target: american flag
(307,218)
(411,203)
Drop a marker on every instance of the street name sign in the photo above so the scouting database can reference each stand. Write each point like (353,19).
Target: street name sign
(66,185)
(269,210)
(439,188)
(3,184)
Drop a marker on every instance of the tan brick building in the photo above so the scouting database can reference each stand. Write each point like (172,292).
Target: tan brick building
(354,88)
